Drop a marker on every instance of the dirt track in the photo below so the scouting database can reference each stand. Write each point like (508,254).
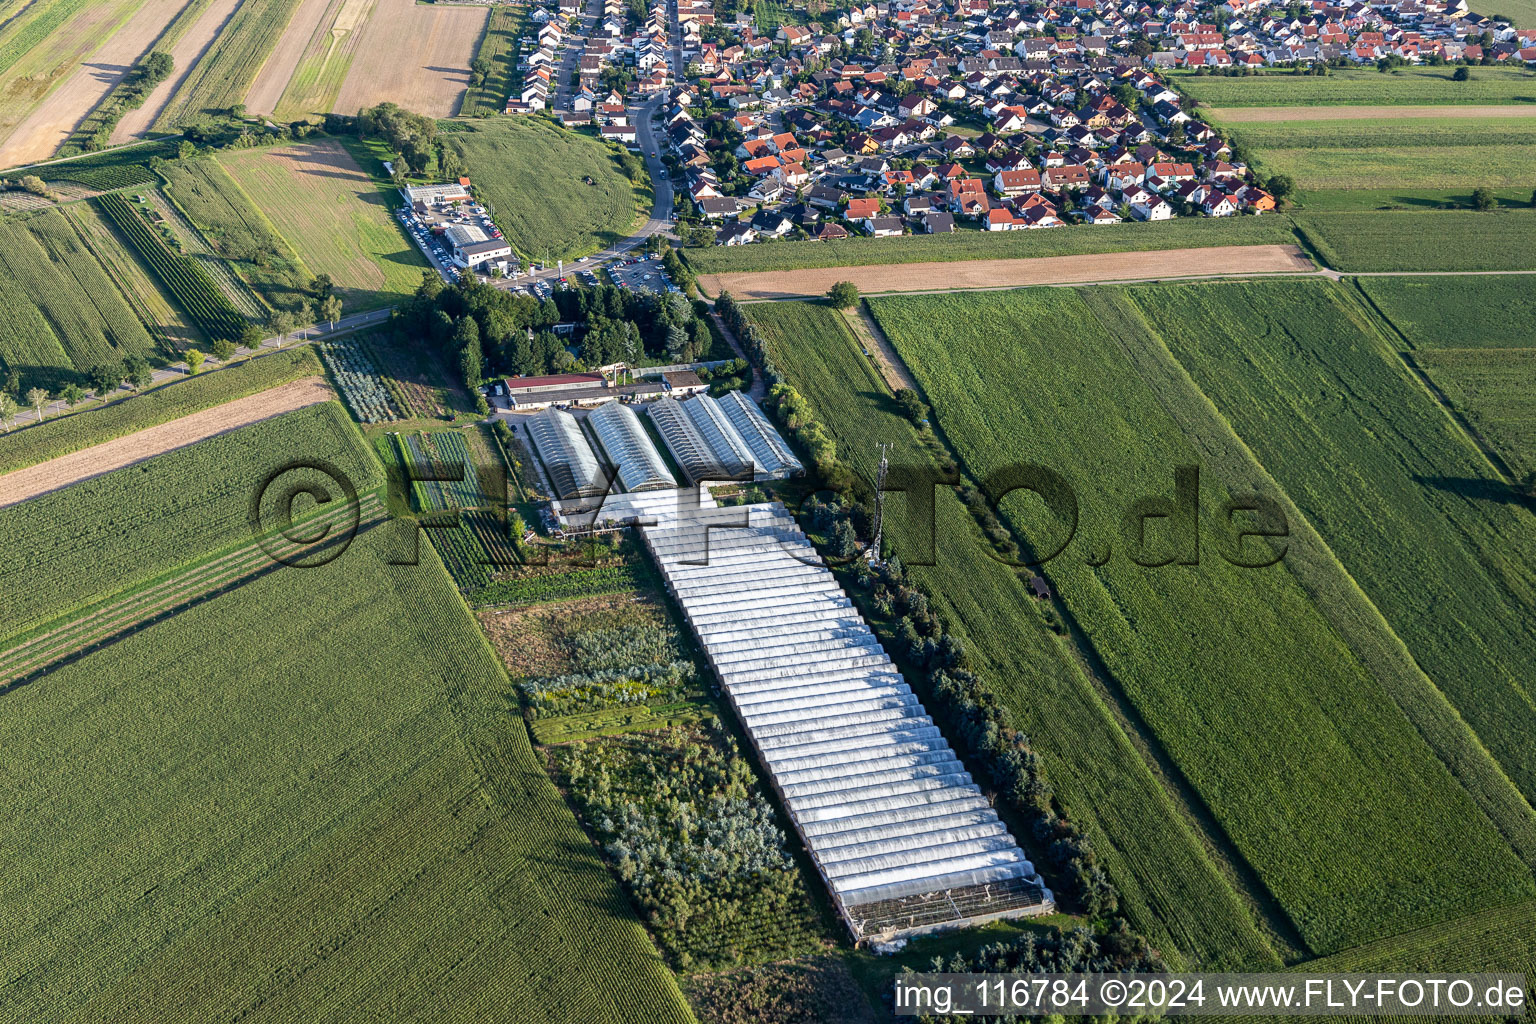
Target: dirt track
(275,73)
(41,133)
(416,55)
(186,51)
(65,470)
(979,274)
(1234,115)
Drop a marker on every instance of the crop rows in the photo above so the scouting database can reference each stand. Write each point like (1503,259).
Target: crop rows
(77,546)
(519,587)
(42,21)
(224,73)
(444,451)
(359,381)
(111,177)
(184,277)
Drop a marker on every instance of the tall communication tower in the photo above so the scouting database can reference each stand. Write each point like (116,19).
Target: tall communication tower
(874,546)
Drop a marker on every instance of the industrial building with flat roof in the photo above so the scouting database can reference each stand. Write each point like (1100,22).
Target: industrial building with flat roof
(898,830)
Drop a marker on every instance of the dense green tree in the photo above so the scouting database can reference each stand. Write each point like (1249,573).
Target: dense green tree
(843,295)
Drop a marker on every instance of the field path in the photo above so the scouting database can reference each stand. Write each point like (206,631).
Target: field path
(1233,115)
(895,372)
(42,131)
(416,55)
(1215,261)
(35,481)
(186,51)
(276,72)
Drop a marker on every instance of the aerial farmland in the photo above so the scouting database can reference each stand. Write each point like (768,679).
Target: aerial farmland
(717,513)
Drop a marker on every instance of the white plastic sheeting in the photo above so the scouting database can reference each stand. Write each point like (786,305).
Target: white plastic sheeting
(570,462)
(692,453)
(772,457)
(629,448)
(897,828)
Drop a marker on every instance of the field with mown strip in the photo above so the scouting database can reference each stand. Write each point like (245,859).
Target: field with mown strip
(1401,495)
(172,331)
(61,435)
(1232,668)
(1423,240)
(334,216)
(239,233)
(325,61)
(1425,86)
(105,534)
(1182,233)
(498,45)
(41,47)
(331,810)
(226,70)
(184,278)
(1170,887)
(63,314)
(532,172)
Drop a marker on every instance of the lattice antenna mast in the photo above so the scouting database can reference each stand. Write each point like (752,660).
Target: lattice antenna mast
(874,546)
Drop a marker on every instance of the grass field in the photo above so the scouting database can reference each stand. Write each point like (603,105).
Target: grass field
(1407,166)
(1447,132)
(105,534)
(531,173)
(63,313)
(238,231)
(1426,86)
(1170,887)
(975,245)
(326,59)
(264,825)
(335,218)
(498,46)
(1263,679)
(1403,498)
(95,424)
(1457,312)
(1423,240)
(221,78)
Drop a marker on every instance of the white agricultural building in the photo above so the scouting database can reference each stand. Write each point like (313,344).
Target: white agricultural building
(728,439)
(568,459)
(629,448)
(771,456)
(900,833)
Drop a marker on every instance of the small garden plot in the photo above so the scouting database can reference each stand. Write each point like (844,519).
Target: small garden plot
(444,456)
(359,381)
(474,545)
(630,665)
(415,379)
(687,828)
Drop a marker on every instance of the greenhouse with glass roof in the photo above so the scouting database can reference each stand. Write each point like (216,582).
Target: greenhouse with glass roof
(770,455)
(568,459)
(701,440)
(629,448)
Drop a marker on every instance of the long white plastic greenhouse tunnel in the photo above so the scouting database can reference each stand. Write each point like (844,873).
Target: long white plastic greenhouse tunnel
(902,836)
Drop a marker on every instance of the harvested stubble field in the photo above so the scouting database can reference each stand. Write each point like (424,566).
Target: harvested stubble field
(1419,87)
(225,71)
(1413,511)
(985,274)
(191,36)
(1171,887)
(335,218)
(1232,668)
(305,72)
(258,827)
(416,55)
(51,122)
(115,454)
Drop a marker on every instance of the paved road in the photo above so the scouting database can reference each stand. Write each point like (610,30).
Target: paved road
(176,371)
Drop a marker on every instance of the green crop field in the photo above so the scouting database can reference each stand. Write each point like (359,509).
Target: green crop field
(1406,166)
(1182,233)
(1495,389)
(1448,131)
(334,216)
(1407,503)
(1423,240)
(110,532)
(499,46)
(1169,885)
(308,798)
(224,73)
(532,172)
(1263,679)
(118,167)
(1457,312)
(1426,86)
(172,330)
(1499,940)
(63,314)
(92,425)
(212,201)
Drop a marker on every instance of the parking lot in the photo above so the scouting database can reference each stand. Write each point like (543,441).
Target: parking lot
(640,273)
